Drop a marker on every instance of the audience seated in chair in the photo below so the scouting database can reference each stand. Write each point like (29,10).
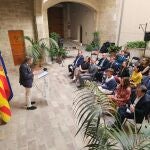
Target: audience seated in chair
(77,62)
(109,84)
(89,75)
(83,68)
(123,72)
(145,66)
(122,93)
(102,65)
(146,82)
(120,58)
(113,64)
(136,76)
(126,53)
(138,107)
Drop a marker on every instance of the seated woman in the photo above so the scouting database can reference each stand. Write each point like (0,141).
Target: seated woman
(82,68)
(109,84)
(122,93)
(145,66)
(136,77)
(123,72)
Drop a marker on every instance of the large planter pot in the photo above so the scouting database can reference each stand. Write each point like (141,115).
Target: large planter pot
(137,52)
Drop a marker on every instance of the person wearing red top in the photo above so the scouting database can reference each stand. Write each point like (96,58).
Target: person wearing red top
(122,93)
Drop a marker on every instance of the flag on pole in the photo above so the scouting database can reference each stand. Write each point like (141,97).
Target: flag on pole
(5,93)
(5,112)
(5,79)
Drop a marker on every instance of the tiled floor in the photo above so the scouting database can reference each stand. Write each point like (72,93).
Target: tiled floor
(50,127)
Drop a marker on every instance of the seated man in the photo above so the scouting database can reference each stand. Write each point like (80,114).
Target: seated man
(138,107)
(77,62)
(89,75)
(113,64)
(121,58)
(102,65)
(83,68)
(109,84)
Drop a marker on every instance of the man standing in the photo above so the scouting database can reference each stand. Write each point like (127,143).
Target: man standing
(26,80)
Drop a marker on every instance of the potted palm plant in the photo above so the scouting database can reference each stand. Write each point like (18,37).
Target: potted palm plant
(90,106)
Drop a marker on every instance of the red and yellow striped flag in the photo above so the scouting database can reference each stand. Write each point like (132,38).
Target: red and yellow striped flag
(5,112)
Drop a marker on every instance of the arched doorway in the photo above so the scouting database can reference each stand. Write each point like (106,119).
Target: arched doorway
(67,17)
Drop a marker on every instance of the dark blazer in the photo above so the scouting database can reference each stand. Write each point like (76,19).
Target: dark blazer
(78,61)
(124,73)
(120,59)
(114,66)
(105,64)
(146,82)
(26,75)
(110,85)
(142,108)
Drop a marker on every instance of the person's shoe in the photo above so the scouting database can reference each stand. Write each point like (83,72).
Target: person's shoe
(33,102)
(31,108)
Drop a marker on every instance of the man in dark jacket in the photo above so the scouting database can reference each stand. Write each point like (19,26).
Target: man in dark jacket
(102,65)
(26,80)
(76,63)
(113,65)
(139,107)
(89,75)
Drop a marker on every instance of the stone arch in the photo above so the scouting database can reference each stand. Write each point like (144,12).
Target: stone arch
(50,3)
(41,7)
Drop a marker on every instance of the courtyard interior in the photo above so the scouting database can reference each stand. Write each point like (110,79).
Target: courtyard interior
(52,126)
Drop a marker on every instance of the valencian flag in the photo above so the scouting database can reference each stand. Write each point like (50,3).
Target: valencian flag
(3,75)
(5,112)
(5,93)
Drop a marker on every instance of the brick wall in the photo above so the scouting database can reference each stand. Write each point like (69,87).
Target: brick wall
(14,15)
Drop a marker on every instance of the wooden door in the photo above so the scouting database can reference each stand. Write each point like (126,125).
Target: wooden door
(56,20)
(16,38)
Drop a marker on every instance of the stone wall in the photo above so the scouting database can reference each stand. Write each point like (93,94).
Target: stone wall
(19,15)
(14,15)
(85,17)
(135,12)
(106,19)
(108,15)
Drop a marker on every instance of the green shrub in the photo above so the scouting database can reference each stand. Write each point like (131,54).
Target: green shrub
(114,48)
(136,44)
(95,44)
(55,36)
(96,40)
(89,48)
